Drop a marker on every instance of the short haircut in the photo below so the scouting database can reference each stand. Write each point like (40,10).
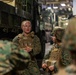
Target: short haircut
(23,22)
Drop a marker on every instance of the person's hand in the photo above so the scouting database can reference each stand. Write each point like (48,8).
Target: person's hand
(28,49)
(51,68)
(44,66)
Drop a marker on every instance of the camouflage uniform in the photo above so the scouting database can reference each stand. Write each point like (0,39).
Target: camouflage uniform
(12,59)
(33,41)
(65,55)
(69,44)
(56,53)
(53,56)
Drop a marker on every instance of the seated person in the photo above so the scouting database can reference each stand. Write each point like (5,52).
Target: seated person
(27,40)
(51,61)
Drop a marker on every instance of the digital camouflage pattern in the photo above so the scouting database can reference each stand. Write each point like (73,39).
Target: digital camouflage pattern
(65,55)
(12,58)
(69,45)
(61,57)
(33,41)
(66,58)
(54,56)
(69,41)
(58,33)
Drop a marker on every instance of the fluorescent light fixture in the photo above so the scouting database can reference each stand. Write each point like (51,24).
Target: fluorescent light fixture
(48,7)
(62,4)
(55,7)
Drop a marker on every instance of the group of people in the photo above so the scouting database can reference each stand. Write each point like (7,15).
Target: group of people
(18,56)
(61,60)
(56,58)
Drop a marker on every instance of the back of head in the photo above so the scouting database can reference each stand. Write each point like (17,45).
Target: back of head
(70,35)
(69,40)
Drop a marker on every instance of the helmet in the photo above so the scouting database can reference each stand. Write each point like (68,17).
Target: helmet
(58,33)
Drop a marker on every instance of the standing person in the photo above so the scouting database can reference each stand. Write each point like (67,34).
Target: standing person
(69,44)
(31,43)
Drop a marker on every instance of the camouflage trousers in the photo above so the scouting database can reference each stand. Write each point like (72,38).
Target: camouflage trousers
(31,69)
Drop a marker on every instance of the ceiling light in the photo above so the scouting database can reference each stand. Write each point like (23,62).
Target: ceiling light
(62,4)
(48,7)
(55,7)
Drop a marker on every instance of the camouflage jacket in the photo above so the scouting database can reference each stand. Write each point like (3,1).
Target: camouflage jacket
(31,40)
(65,58)
(56,53)
(53,55)
(11,58)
